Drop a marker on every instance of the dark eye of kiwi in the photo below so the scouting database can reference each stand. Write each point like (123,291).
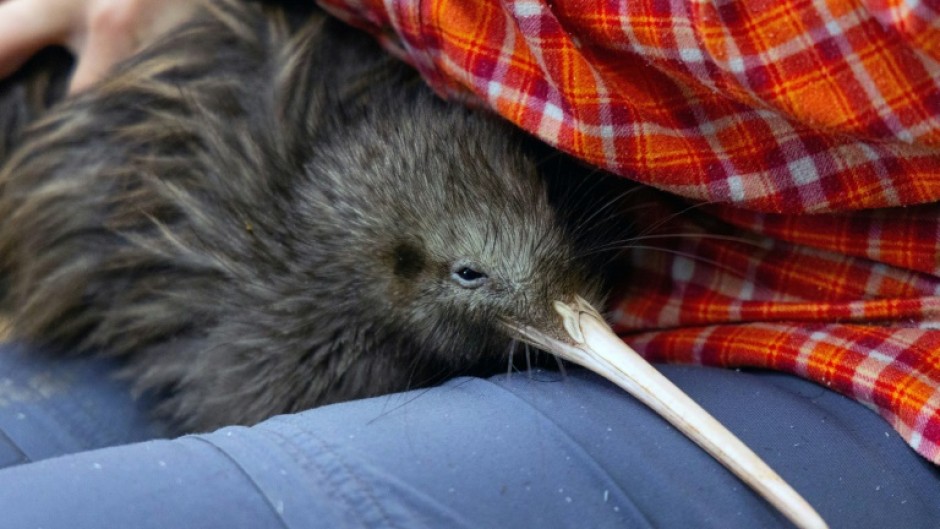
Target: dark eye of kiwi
(469,274)
(468,277)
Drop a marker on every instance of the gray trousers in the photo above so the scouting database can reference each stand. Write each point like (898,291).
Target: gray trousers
(540,451)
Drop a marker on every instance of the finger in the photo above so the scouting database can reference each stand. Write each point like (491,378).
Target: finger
(111,37)
(27,26)
(119,28)
(99,56)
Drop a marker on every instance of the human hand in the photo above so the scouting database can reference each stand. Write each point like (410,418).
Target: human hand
(99,32)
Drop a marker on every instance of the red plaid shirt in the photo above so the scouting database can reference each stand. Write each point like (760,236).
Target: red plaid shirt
(808,132)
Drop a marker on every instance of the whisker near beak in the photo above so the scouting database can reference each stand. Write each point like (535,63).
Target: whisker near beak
(595,346)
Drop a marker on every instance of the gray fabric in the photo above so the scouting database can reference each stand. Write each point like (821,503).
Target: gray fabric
(519,452)
(50,407)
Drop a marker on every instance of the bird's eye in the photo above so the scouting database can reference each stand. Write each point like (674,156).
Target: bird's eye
(469,274)
(468,277)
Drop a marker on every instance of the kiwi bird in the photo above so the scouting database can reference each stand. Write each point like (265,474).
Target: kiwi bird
(262,213)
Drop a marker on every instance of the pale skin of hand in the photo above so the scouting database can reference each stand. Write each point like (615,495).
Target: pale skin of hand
(99,32)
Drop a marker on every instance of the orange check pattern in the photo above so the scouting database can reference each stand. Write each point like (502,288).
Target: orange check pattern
(806,133)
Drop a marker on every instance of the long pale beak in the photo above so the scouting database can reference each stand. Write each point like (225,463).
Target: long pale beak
(597,348)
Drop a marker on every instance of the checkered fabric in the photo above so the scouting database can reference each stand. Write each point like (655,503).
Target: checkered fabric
(805,134)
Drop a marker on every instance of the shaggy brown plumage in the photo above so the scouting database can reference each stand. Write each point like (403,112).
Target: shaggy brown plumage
(260,219)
